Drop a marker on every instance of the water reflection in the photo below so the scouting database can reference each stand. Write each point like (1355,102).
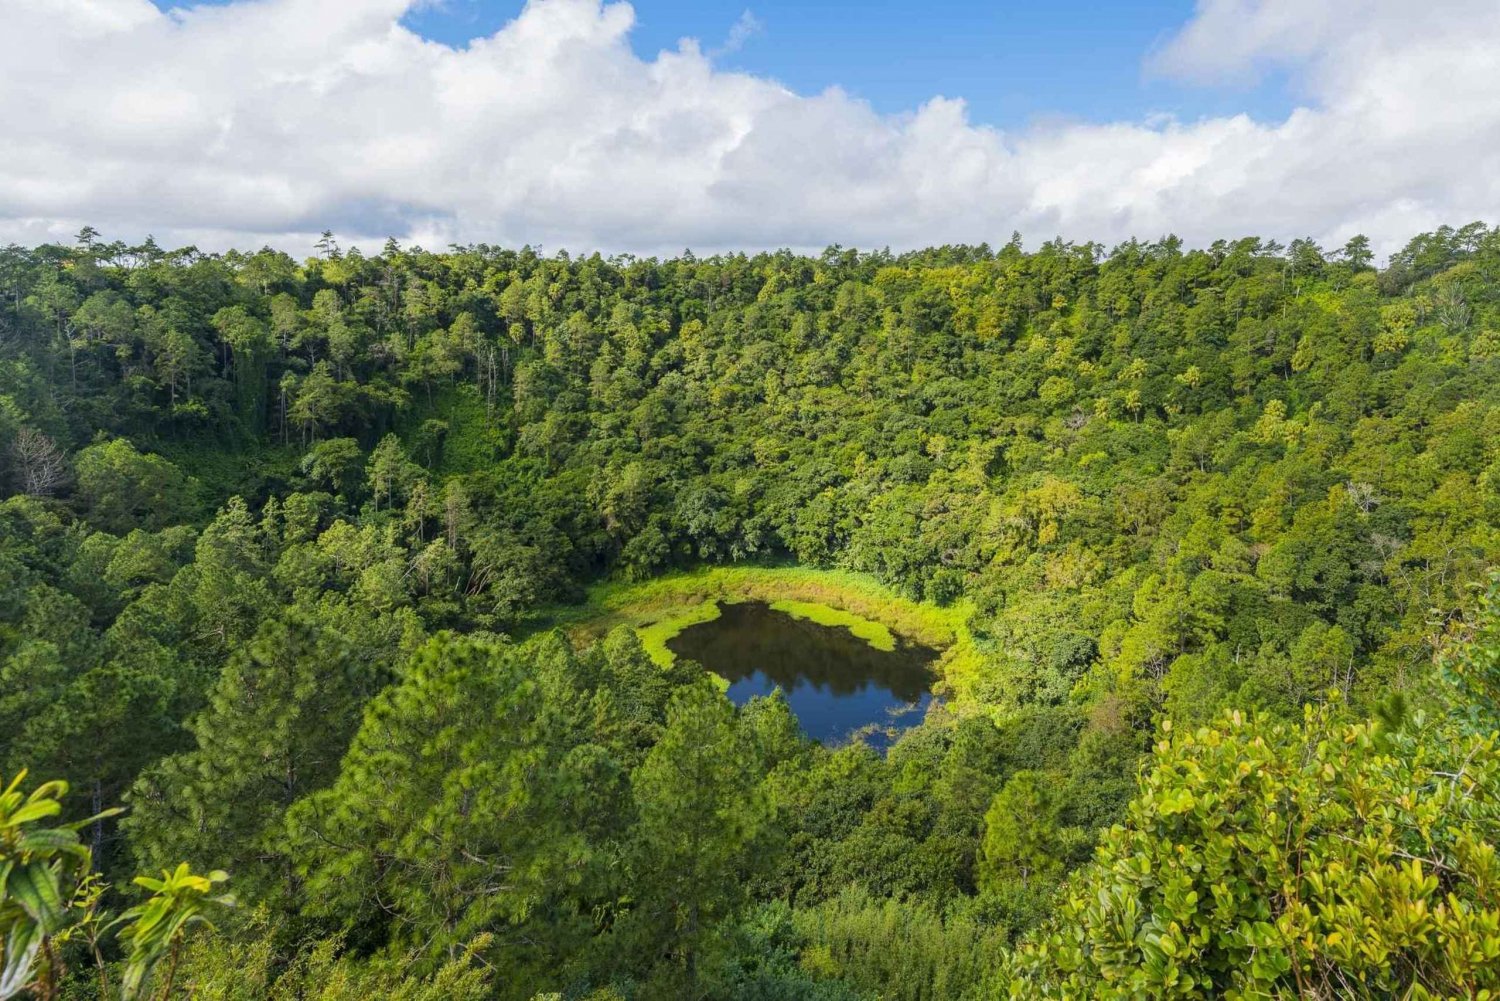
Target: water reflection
(834,682)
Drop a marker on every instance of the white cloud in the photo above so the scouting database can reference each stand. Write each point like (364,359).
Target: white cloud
(270,120)
(745,27)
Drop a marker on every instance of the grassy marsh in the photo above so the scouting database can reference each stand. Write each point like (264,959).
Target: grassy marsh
(660,608)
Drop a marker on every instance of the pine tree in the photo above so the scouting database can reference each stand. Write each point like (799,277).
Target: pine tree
(278,720)
(701,813)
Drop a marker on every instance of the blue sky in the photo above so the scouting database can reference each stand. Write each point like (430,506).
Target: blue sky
(1014,62)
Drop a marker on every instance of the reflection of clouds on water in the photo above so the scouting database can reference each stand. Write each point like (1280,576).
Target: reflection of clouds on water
(837,684)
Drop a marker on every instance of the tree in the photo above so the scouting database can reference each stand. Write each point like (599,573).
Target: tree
(701,813)
(507,576)
(1264,859)
(1356,253)
(1469,660)
(466,804)
(175,354)
(320,401)
(41,467)
(278,720)
(391,474)
(106,318)
(267,268)
(122,488)
(1022,840)
(336,464)
(95,722)
(249,341)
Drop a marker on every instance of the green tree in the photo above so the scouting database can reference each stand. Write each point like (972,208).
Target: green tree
(1469,660)
(248,339)
(465,805)
(278,720)
(1265,859)
(122,488)
(1023,841)
(337,464)
(702,812)
(390,472)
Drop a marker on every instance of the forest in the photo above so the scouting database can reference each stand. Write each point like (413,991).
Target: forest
(293,705)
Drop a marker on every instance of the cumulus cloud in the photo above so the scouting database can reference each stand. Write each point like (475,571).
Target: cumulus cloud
(270,120)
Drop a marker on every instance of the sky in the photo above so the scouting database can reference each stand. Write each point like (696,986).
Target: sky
(669,124)
(1012,62)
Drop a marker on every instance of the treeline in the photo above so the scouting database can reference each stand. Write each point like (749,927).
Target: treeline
(276,534)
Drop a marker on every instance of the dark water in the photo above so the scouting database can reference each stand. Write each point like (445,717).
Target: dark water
(834,682)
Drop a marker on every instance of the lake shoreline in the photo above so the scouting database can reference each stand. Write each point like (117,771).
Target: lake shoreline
(661,608)
(836,682)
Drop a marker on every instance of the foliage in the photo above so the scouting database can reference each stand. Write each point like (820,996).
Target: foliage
(123,488)
(257,966)
(1469,661)
(1274,860)
(50,897)
(702,823)
(901,952)
(44,873)
(280,541)
(154,931)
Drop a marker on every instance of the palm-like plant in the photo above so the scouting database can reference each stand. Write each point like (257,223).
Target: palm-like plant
(155,930)
(42,869)
(49,892)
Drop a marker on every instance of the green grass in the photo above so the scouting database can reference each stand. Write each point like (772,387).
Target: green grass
(874,633)
(654,636)
(472,440)
(661,608)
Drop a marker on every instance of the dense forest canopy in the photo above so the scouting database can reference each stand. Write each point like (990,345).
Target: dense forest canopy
(280,543)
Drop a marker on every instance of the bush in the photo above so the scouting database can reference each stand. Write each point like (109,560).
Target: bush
(1275,860)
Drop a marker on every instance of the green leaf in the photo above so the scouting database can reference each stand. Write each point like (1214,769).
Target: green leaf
(114,811)
(36,810)
(21,947)
(49,839)
(35,888)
